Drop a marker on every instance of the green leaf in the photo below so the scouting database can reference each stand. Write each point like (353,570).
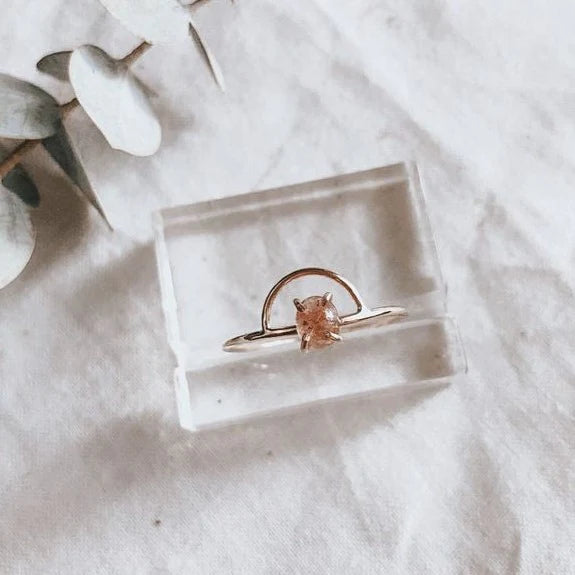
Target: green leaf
(207,55)
(26,111)
(156,21)
(17,237)
(56,65)
(62,151)
(20,183)
(115,101)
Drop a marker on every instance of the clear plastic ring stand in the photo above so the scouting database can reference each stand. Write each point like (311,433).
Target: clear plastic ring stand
(217,261)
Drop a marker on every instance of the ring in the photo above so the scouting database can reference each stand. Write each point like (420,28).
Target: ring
(317,321)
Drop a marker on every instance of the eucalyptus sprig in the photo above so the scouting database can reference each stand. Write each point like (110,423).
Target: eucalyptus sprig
(112,96)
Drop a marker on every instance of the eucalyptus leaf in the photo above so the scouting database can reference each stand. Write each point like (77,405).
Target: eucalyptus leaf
(207,55)
(115,101)
(26,111)
(19,182)
(156,21)
(62,151)
(56,65)
(17,237)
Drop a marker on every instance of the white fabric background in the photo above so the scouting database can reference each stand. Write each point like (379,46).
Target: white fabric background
(96,476)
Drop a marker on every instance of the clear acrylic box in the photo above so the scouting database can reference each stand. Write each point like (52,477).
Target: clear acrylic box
(217,261)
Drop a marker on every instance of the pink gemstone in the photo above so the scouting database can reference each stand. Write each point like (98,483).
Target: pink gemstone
(317,322)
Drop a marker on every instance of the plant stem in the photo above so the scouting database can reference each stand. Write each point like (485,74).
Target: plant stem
(136,53)
(16,156)
(25,147)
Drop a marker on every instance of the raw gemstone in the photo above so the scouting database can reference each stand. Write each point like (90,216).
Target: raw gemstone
(317,322)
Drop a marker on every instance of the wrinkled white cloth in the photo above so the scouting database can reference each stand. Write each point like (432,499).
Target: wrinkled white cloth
(95,474)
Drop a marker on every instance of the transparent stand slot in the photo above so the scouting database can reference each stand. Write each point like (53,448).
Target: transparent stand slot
(217,261)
